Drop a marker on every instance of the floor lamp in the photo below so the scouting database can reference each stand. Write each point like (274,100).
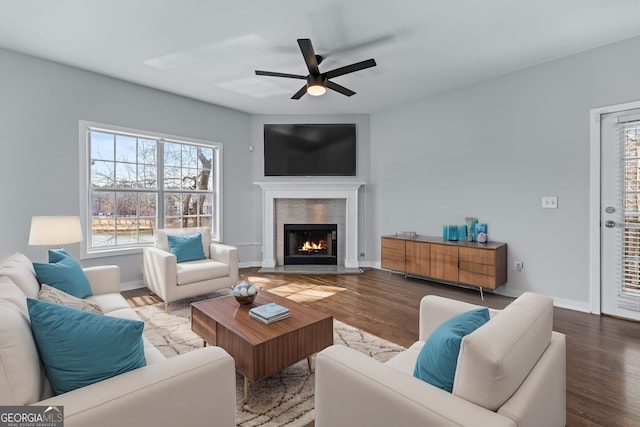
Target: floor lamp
(55,230)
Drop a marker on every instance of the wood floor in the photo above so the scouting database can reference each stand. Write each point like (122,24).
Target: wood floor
(603,353)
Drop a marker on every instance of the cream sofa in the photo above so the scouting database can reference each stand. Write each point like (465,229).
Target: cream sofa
(511,372)
(173,281)
(193,389)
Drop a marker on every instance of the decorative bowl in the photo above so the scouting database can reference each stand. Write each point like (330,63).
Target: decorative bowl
(245,293)
(246,300)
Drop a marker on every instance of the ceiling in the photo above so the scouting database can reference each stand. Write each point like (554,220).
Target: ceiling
(209,49)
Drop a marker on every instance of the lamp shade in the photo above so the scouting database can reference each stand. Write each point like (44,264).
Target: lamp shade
(55,230)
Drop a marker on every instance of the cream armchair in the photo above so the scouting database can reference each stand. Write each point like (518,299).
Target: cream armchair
(173,281)
(511,372)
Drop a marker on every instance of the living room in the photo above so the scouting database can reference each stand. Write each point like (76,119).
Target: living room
(526,135)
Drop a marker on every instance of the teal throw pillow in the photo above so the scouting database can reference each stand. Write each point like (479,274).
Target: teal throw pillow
(438,359)
(56,255)
(79,348)
(63,273)
(187,248)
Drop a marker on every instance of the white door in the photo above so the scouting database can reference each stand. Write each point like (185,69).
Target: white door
(620,214)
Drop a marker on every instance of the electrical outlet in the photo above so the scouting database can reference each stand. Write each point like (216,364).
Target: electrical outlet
(550,202)
(518,265)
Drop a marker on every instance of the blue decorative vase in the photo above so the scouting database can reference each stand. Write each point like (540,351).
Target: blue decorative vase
(471,228)
(462,233)
(450,232)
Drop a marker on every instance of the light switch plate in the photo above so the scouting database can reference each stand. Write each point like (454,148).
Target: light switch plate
(550,202)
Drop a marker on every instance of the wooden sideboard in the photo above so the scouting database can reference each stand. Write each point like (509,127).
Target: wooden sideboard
(468,263)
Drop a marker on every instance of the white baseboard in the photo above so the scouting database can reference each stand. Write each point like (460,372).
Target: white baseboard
(129,286)
(370,264)
(249,264)
(557,302)
(504,290)
(572,305)
(362,264)
(515,293)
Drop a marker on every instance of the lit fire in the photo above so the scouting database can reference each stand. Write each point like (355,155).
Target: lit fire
(313,246)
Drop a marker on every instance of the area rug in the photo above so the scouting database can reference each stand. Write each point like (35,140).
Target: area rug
(284,399)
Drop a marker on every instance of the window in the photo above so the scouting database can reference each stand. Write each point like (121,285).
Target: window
(137,181)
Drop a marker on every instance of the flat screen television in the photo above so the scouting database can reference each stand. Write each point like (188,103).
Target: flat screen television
(310,149)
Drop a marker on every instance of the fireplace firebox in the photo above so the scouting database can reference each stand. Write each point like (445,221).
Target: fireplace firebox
(310,244)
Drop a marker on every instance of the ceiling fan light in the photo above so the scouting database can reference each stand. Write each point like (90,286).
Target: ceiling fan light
(316,89)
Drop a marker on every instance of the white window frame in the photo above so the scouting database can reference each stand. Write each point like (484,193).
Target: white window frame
(86,251)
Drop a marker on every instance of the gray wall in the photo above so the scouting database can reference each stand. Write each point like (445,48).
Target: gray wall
(492,150)
(40,106)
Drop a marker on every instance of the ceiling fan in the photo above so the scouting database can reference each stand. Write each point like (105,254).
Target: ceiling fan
(317,82)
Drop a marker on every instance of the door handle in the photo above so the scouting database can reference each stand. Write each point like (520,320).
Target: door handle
(610,224)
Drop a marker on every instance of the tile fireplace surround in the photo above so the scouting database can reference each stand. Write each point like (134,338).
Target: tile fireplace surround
(344,191)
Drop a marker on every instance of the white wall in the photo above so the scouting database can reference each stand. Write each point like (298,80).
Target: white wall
(492,150)
(40,106)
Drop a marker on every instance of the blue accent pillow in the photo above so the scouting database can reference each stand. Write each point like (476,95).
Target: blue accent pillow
(56,255)
(63,273)
(438,359)
(187,248)
(79,348)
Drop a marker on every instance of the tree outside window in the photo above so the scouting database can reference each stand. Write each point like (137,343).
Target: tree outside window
(138,181)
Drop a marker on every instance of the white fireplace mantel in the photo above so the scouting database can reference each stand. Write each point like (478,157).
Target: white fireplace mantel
(272,190)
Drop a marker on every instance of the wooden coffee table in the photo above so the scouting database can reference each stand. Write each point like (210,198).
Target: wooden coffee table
(261,350)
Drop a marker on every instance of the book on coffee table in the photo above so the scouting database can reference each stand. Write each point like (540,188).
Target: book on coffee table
(271,320)
(269,313)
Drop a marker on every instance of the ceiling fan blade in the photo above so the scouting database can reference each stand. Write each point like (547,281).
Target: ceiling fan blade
(350,68)
(309,56)
(299,93)
(274,74)
(362,44)
(343,90)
